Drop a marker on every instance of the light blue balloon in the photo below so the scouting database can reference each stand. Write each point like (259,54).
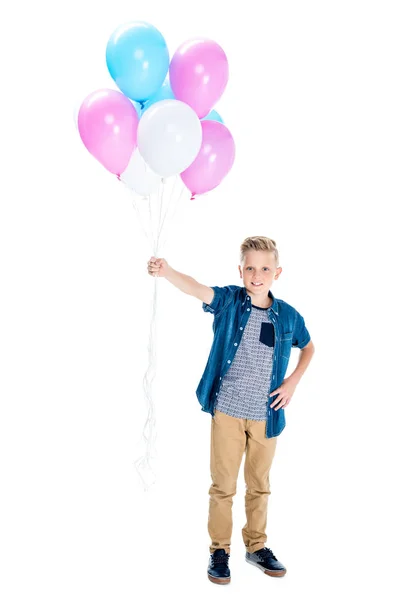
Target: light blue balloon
(163,93)
(138,107)
(137,59)
(213,116)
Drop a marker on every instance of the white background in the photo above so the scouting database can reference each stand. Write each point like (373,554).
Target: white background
(313,104)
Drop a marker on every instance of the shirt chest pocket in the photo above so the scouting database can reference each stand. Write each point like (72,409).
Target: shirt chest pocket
(267,334)
(286,344)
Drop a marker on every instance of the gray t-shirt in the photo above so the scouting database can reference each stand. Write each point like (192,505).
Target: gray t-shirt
(244,388)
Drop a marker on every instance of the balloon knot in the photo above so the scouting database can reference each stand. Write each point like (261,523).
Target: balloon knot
(193,197)
(118,177)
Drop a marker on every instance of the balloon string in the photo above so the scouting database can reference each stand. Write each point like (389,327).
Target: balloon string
(146,231)
(170,203)
(144,464)
(160,224)
(171,217)
(148,234)
(174,185)
(151,220)
(168,217)
(184,189)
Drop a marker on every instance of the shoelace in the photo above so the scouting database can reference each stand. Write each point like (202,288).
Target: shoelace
(266,552)
(221,558)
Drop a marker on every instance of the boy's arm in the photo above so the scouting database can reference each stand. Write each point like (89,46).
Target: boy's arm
(159,267)
(287,388)
(305,357)
(302,340)
(190,286)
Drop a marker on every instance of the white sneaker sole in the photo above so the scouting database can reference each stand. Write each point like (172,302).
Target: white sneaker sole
(266,571)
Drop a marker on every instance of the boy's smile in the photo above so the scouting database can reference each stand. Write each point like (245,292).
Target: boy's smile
(258,272)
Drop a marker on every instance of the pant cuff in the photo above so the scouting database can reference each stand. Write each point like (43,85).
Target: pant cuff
(254,548)
(226,548)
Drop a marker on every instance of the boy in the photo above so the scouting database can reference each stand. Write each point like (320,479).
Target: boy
(244,389)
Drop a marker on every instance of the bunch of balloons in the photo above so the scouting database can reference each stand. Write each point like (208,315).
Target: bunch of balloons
(162,122)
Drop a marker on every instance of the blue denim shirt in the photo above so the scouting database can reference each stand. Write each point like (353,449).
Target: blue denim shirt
(231,307)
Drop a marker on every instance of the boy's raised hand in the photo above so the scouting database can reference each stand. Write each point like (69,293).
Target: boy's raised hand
(157,267)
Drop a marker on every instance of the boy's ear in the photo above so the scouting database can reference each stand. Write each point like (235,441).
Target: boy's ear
(240,272)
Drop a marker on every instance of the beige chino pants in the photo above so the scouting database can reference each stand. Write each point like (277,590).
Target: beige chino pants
(230,439)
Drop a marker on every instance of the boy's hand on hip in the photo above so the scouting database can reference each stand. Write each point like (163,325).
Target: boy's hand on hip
(285,392)
(157,267)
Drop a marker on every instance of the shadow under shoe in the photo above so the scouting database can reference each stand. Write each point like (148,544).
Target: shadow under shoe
(218,569)
(266,560)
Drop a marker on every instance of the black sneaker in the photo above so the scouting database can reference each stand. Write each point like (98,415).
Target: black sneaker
(218,570)
(265,560)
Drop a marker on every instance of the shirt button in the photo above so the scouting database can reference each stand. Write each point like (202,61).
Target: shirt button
(220,378)
(235,344)
(229,362)
(241,329)
(248,309)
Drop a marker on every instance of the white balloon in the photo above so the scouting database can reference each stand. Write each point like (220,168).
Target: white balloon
(169,136)
(139,177)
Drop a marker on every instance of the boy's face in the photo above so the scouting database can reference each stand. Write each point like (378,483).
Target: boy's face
(260,268)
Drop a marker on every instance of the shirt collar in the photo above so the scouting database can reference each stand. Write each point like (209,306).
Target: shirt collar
(246,298)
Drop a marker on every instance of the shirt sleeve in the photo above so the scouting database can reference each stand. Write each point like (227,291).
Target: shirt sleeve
(223,296)
(301,336)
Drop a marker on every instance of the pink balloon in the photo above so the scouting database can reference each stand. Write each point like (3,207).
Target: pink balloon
(107,123)
(213,162)
(198,74)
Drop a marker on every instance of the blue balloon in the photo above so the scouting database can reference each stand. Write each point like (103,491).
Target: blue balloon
(163,93)
(137,59)
(138,107)
(213,116)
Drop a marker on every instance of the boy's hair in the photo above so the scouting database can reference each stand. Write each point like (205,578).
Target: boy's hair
(259,242)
